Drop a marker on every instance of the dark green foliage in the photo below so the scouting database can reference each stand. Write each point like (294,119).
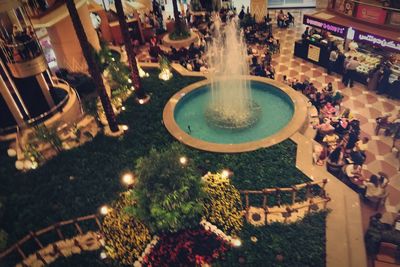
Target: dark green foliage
(77,182)
(300,244)
(168,193)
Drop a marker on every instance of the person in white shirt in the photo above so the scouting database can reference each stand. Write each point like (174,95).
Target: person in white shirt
(375,187)
(351,68)
(332,60)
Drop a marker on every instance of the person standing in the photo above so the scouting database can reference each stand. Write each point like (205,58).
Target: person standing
(345,77)
(351,69)
(332,60)
(383,86)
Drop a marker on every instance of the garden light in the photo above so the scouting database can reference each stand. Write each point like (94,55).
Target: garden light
(123,108)
(104,210)
(141,101)
(183,160)
(103,255)
(225,173)
(236,242)
(128,178)
(125,127)
(129,80)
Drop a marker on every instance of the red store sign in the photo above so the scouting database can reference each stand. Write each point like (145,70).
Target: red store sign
(371,14)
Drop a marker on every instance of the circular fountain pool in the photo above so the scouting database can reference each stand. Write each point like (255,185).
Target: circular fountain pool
(283,112)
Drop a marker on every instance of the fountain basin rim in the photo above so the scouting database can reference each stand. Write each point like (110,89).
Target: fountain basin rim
(298,120)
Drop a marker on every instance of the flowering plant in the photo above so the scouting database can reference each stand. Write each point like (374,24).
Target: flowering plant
(190,247)
(222,205)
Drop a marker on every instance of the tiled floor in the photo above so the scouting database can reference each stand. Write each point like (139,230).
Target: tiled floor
(365,106)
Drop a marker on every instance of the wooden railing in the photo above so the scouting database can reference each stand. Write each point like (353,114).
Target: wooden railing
(57,228)
(277,193)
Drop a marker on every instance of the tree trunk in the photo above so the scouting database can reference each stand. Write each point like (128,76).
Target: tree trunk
(94,69)
(178,22)
(129,50)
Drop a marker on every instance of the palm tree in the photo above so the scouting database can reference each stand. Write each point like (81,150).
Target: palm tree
(180,28)
(129,50)
(94,69)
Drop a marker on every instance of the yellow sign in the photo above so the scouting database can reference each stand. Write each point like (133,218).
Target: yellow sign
(313,52)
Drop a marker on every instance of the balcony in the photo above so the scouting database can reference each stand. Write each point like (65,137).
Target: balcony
(370,12)
(24,56)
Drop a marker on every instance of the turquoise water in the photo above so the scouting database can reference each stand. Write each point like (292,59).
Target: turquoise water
(277,111)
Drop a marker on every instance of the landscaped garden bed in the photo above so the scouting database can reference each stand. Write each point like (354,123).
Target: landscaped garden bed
(77,182)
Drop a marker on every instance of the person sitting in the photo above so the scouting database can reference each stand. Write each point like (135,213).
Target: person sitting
(342,127)
(352,172)
(362,145)
(331,140)
(306,33)
(270,72)
(290,18)
(375,187)
(328,111)
(335,161)
(281,19)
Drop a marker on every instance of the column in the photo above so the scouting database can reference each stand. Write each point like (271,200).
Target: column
(66,45)
(259,9)
(12,106)
(45,90)
(323,4)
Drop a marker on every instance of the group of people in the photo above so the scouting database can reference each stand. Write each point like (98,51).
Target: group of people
(21,44)
(284,20)
(341,145)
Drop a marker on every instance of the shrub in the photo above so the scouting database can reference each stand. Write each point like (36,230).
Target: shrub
(125,236)
(167,192)
(194,247)
(222,204)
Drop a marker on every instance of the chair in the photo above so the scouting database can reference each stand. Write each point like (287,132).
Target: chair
(383,123)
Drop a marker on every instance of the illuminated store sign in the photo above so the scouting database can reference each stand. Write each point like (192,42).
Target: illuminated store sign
(331,27)
(377,40)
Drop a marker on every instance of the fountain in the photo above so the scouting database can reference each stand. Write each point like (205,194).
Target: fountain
(219,114)
(231,105)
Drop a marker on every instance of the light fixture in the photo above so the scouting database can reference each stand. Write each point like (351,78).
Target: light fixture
(225,173)
(125,127)
(104,210)
(183,160)
(129,80)
(141,101)
(103,255)
(236,242)
(123,108)
(128,178)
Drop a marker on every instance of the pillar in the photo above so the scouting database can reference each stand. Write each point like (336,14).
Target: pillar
(12,106)
(323,4)
(259,9)
(45,89)
(66,45)
(104,26)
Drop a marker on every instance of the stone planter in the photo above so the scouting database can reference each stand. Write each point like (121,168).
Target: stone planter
(180,43)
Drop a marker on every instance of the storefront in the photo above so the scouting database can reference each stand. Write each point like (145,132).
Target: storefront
(370,45)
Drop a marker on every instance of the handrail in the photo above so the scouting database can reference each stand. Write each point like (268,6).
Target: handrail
(48,113)
(277,191)
(35,235)
(374,5)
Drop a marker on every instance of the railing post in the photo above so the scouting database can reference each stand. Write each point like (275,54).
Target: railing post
(278,196)
(33,235)
(308,190)
(294,194)
(39,257)
(247,200)
(59,233)
(97,222)
(265,199)
(323,191)
(77,227)
(20,252)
